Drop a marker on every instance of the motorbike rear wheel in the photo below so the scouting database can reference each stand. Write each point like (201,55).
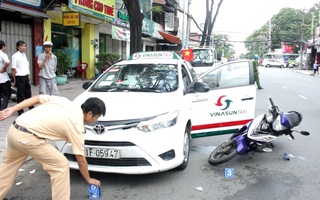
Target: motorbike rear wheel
(223,153)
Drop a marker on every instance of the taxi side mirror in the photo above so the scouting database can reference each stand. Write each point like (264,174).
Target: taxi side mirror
(197,87)
(86,85)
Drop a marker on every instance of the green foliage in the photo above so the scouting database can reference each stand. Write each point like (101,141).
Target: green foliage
(223,46)
(157,9)
(64,61)
(290,26)
(103,58)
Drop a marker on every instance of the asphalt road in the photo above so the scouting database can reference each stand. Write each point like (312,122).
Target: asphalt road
(256,175)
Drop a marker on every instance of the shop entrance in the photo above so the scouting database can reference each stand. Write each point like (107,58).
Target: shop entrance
(67,40)
(10,33)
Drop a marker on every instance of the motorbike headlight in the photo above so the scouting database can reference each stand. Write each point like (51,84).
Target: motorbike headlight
(276,125)
(162,121)
(269,118)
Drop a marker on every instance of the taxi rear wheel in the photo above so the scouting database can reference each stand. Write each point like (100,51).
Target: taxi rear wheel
(186,149)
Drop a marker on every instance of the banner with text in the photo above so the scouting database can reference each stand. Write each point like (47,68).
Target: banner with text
(104,9)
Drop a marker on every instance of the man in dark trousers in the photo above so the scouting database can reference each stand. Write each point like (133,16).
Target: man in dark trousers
(21,73)
(5,82)
(255,64)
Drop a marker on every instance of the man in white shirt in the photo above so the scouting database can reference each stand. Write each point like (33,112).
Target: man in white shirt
(21,73)
(5,83)
(47,62)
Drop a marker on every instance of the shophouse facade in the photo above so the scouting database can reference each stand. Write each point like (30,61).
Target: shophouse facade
(82,29)
(23,20)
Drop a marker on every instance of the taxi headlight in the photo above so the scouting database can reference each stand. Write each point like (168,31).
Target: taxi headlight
(162,121)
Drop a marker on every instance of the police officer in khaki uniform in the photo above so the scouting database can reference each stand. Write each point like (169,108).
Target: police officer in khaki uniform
(56,118)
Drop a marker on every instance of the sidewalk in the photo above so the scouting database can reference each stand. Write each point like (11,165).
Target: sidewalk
(304,71)
(70,90)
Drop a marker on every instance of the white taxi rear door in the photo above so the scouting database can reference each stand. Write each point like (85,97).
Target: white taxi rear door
(230,102)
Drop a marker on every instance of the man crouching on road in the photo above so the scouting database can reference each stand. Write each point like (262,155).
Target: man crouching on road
(56,118)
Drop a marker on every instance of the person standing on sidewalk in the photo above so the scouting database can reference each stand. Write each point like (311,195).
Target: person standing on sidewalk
(56,119)
(255,64)
(5,82)
(47,62)
(315,68)
(21,74)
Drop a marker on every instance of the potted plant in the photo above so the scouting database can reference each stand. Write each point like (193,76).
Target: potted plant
(64,62)
(105,60)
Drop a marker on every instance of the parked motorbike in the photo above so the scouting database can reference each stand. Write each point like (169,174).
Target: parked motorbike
(13,96)
(258,134)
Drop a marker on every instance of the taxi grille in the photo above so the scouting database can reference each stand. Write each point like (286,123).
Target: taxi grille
(107,143)
(123,162)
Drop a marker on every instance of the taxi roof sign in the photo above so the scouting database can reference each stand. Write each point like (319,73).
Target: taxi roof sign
(154,55)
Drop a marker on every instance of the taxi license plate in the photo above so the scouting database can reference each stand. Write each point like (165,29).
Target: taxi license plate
(102,153)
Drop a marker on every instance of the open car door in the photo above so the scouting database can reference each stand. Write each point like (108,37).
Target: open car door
(230,102)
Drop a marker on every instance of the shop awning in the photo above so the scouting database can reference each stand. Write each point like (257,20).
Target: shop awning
(30,12)
(171,38)
(162,2)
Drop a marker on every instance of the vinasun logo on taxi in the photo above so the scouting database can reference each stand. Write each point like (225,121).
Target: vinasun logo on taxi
(224,103)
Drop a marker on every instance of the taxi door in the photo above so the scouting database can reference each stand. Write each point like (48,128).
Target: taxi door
(229,104)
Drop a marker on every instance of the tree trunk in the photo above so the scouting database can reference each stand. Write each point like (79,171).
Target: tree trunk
(135,19)
(211,25)
(208,26)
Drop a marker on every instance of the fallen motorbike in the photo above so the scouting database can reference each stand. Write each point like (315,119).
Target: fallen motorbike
(258,134)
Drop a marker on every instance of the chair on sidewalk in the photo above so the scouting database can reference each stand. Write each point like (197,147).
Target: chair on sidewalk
(81,70)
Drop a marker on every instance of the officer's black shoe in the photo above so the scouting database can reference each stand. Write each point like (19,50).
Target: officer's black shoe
(260,88)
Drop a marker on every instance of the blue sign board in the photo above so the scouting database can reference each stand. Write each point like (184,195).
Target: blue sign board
(229,172)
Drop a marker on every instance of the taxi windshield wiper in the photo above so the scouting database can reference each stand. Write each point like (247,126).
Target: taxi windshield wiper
(125,89)
(102,89)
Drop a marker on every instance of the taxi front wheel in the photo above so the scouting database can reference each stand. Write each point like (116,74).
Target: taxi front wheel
(186,149)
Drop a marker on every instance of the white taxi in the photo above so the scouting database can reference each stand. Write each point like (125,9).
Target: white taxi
(154,105)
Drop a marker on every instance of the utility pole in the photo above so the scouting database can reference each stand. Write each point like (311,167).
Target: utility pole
(312,58)
(183,24)
(269,36)
(312,28)
(188,24)
(301,42)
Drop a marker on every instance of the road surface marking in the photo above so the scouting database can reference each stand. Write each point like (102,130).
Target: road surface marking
(303,97)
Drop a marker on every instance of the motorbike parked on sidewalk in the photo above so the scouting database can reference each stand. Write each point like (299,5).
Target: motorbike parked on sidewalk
(258,134)
(13,96)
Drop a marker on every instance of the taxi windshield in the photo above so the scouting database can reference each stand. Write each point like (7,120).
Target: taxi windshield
(139,78)
(202,57)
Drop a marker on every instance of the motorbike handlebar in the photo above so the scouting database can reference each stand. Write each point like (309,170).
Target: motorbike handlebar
(292,137)
(271,101)
(274,109)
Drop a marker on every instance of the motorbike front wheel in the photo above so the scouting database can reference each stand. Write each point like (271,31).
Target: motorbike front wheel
(13,96)
(223,153)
